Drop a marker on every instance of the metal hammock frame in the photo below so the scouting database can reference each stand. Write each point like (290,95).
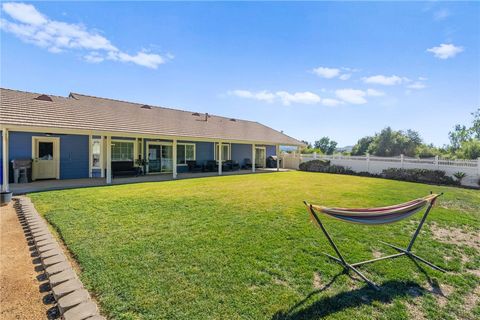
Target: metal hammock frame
(402,252)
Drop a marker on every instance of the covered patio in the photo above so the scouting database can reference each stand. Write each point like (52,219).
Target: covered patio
(48,185)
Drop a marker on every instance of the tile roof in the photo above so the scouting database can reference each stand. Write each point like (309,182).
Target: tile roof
(83,112)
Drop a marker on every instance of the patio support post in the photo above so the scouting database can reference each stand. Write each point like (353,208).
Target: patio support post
(109,159)
(277,151)
(220,158)
(253,157)
(174,160)
(5,182)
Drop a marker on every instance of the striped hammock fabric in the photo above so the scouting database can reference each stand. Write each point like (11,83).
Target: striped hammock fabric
(381,215)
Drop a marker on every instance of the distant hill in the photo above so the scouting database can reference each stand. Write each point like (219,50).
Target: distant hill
(344,149)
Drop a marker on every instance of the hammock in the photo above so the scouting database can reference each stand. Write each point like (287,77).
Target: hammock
(375,216)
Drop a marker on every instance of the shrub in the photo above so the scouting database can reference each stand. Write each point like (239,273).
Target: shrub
(418,175)
(314,165)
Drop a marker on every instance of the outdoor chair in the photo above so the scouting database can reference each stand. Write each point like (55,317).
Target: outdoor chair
(193,166)
(230,165)
(247,163)
(211,166)
(375,216)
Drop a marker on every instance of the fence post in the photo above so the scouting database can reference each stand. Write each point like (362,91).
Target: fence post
(401,160)
(478,166)
(315,155)
(368,162)
(436,162)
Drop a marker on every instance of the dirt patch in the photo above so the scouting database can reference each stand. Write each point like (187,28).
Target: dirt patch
(441,292)
(415,310)
(376,254)
(317,281)
(20,297)
(472,299)
(459,204)
(475,272)
(455,236)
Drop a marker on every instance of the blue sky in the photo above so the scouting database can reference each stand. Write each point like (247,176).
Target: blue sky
(338,69)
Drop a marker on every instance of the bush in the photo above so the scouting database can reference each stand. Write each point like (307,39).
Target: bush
(419,175)
(314,165)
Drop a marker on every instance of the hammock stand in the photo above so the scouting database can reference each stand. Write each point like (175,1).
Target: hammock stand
(376,216)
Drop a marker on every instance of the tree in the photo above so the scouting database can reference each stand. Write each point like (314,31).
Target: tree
(325,145)
(362,145)
(469,149)
(308,145)
(462,133)
(390,143)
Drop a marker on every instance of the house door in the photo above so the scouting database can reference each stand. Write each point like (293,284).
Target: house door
(260,157)
(160,158)
(46,158)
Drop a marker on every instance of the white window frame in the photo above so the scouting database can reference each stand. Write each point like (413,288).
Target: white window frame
(135,147)
(185,152)
(229,146)
(92,139)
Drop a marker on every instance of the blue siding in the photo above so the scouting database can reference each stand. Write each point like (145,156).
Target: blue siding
(74,151)
(240,152)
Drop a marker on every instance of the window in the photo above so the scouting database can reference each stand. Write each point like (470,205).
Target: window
(122,151)
(225,152)
(96,153)
(185,152)
(45,150)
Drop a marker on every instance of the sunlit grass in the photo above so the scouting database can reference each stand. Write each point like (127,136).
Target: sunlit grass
(242,247)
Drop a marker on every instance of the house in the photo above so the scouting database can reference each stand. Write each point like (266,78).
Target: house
(81,136)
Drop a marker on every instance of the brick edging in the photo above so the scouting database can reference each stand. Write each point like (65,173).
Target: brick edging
(73,300)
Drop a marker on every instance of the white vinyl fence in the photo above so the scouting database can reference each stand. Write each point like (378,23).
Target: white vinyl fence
(375,165)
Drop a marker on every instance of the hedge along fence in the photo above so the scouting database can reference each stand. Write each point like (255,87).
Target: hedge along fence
(376,165)
(413,175)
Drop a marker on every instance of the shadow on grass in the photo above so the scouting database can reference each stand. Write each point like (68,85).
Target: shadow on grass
(348,299)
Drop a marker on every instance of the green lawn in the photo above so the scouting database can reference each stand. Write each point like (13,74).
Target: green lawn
(242,247)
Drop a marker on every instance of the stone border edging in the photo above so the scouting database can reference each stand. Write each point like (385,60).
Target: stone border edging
(73,300)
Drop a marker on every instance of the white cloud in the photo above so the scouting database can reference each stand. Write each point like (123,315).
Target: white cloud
(284,97)
(306,97)
(345,76)
(385,80)
(25,13)
(330,73)
(417,85)
(445,51)
(31,26)
(352,96)
(441,14)
(327,73)
(375,93)
(260,95)
(331,102)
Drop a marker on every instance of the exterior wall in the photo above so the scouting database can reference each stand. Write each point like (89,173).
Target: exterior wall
(203,151)
(240,152)
(74,152)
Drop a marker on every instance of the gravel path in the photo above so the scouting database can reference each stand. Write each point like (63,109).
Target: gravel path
(20,296)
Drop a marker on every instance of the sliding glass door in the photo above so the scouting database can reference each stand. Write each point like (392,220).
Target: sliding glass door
(160,158)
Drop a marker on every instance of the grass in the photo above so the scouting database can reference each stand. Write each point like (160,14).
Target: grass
(242,247)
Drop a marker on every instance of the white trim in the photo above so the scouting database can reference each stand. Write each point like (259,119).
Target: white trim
(158,143)
(174,160)
(253,157)
(220,146)
(38,129)
(90,154)
(56,153)
(185,152)
(229,145)
(108,157)
(264,164)
(135,147)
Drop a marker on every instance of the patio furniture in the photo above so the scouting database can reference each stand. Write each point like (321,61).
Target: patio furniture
(193,166)
(211,166)
(247,163)
(230,165)
(375,216)
(123,169)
